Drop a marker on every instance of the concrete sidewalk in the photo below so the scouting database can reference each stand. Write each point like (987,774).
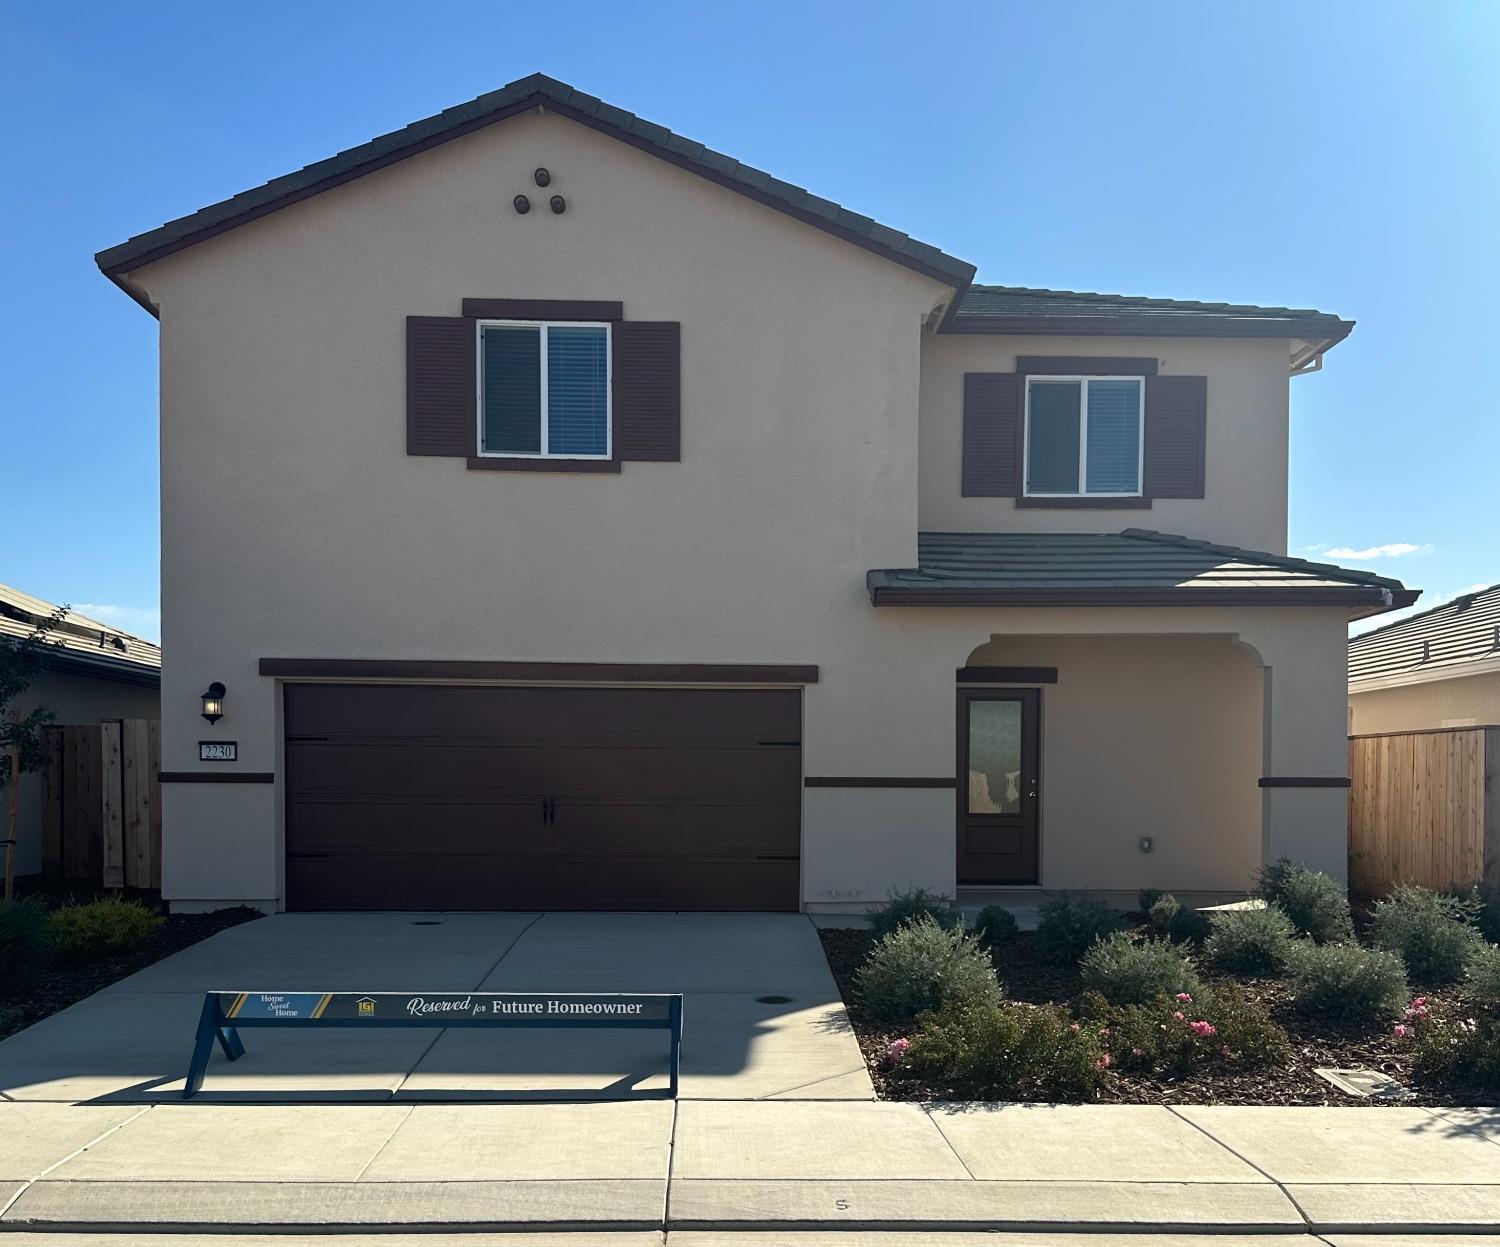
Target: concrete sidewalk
(738,1174)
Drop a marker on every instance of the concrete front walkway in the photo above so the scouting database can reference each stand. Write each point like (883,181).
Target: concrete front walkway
(130,1043)
(752,1172)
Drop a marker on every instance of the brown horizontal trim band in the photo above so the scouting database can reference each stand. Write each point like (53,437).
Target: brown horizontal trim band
(1024,503)
(1151,327)
(559,672)
(1352,595)
(1086,365)
(1427,731)
(1304,781)
(879,781)
(1007,675)
(520,464)
(216,777)
(544,309)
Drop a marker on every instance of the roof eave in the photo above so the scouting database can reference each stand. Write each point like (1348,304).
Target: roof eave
(1328,333)
(385,150)
(1429,675)
(103,668)
(1362,600)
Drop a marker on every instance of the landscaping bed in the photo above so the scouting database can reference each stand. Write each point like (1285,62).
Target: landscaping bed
(49,983)
(1273,1072)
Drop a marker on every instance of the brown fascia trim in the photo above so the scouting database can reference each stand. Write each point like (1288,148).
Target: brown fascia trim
(1304,781)
(1126,326)
(544,309)
(216,777)
(502,463)
(1354,595)
(116,272)
(1007,675)
(544,672)
(880,781)
(1036,502)
(1085,365)
(1427,731)
(67,664)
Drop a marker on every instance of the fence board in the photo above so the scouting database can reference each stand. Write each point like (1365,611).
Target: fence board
(1418,809)
(139,779)
(52,799)
(153,747)
(112,803)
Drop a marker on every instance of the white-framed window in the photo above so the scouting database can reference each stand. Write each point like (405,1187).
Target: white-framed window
(544,389)
(1084,436)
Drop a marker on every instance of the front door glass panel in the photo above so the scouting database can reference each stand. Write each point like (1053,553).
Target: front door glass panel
(994,757)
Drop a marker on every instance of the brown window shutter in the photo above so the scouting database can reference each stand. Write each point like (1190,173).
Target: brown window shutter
(1176,432)
(440,386)
(992,435)
(647,395)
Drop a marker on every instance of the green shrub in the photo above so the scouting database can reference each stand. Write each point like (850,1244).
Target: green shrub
(1068,924)
(1161,912)
(1345,983)
(921,966)
(1002,1051)
(1317,904)
(1188,926)
(1214,1027)
(102,928)
(996,925)
(1250,941)
(1148,897)
(1433,933)
(1127,972)
(24,926)
(1482,974)
(903,908)
(1463,1051)
(1488,918)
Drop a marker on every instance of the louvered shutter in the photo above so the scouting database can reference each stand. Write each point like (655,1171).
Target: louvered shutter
(1176,436)
(992,434)
(440,386)
(647,393)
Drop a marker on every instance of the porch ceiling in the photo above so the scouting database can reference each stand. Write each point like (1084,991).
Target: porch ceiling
(1137,567)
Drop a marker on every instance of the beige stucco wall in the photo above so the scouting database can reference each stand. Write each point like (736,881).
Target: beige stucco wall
(1467,701)
(286,489)
(1245,502)
(72,699)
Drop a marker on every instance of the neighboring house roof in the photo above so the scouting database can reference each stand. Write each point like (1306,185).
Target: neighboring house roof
(1136,567)
(85,646)
(1019,309)
(517,97)
(1458,638)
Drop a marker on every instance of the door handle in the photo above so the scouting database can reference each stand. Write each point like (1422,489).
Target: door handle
(547,811)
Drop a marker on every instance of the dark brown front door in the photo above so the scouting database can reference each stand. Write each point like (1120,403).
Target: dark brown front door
(998,786)
(429,797)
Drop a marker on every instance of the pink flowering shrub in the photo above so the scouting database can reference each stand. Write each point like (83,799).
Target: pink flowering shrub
(1460,1049)
(1217,1026)
(897,1051)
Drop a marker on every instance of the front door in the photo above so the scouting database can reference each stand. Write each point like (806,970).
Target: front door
(998,786)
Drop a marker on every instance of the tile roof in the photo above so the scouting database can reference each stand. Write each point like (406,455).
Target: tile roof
(995,309)
(1133,567)
(1444,640)
(518,96)
(86,645)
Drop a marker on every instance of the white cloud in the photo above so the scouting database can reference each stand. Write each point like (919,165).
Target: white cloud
(142,621)
(1392,551)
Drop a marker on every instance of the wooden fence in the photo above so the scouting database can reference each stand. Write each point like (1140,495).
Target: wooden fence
(101,803)
(1424,807)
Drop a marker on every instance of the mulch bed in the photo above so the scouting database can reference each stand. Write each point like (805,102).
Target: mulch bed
(1029,978)
(56,985)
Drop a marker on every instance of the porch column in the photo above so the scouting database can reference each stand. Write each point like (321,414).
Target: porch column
(1305,751)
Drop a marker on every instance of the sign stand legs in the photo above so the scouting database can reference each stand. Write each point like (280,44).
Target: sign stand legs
(210,1027)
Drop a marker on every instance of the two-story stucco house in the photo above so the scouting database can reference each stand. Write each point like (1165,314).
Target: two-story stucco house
(578,518)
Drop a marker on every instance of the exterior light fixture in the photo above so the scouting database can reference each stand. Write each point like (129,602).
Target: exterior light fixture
(213,702)
(522,204)
(542,177)
(559,204)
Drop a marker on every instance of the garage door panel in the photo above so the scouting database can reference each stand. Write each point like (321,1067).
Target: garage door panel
(406,796)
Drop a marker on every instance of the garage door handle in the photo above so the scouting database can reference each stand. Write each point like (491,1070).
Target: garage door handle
(778,857)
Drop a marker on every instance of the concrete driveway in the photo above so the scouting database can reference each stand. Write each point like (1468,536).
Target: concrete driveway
(130,1043)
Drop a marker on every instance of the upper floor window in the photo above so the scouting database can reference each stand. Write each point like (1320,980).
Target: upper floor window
(1084,436)
(544,389)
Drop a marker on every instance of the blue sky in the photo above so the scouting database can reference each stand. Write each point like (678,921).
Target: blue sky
(1333,155)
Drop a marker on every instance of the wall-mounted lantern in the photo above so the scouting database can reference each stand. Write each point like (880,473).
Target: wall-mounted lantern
(213,702)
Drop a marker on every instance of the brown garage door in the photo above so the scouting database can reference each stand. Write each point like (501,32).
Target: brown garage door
(423,797)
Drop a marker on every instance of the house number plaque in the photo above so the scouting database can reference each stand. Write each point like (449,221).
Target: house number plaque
(218,751)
